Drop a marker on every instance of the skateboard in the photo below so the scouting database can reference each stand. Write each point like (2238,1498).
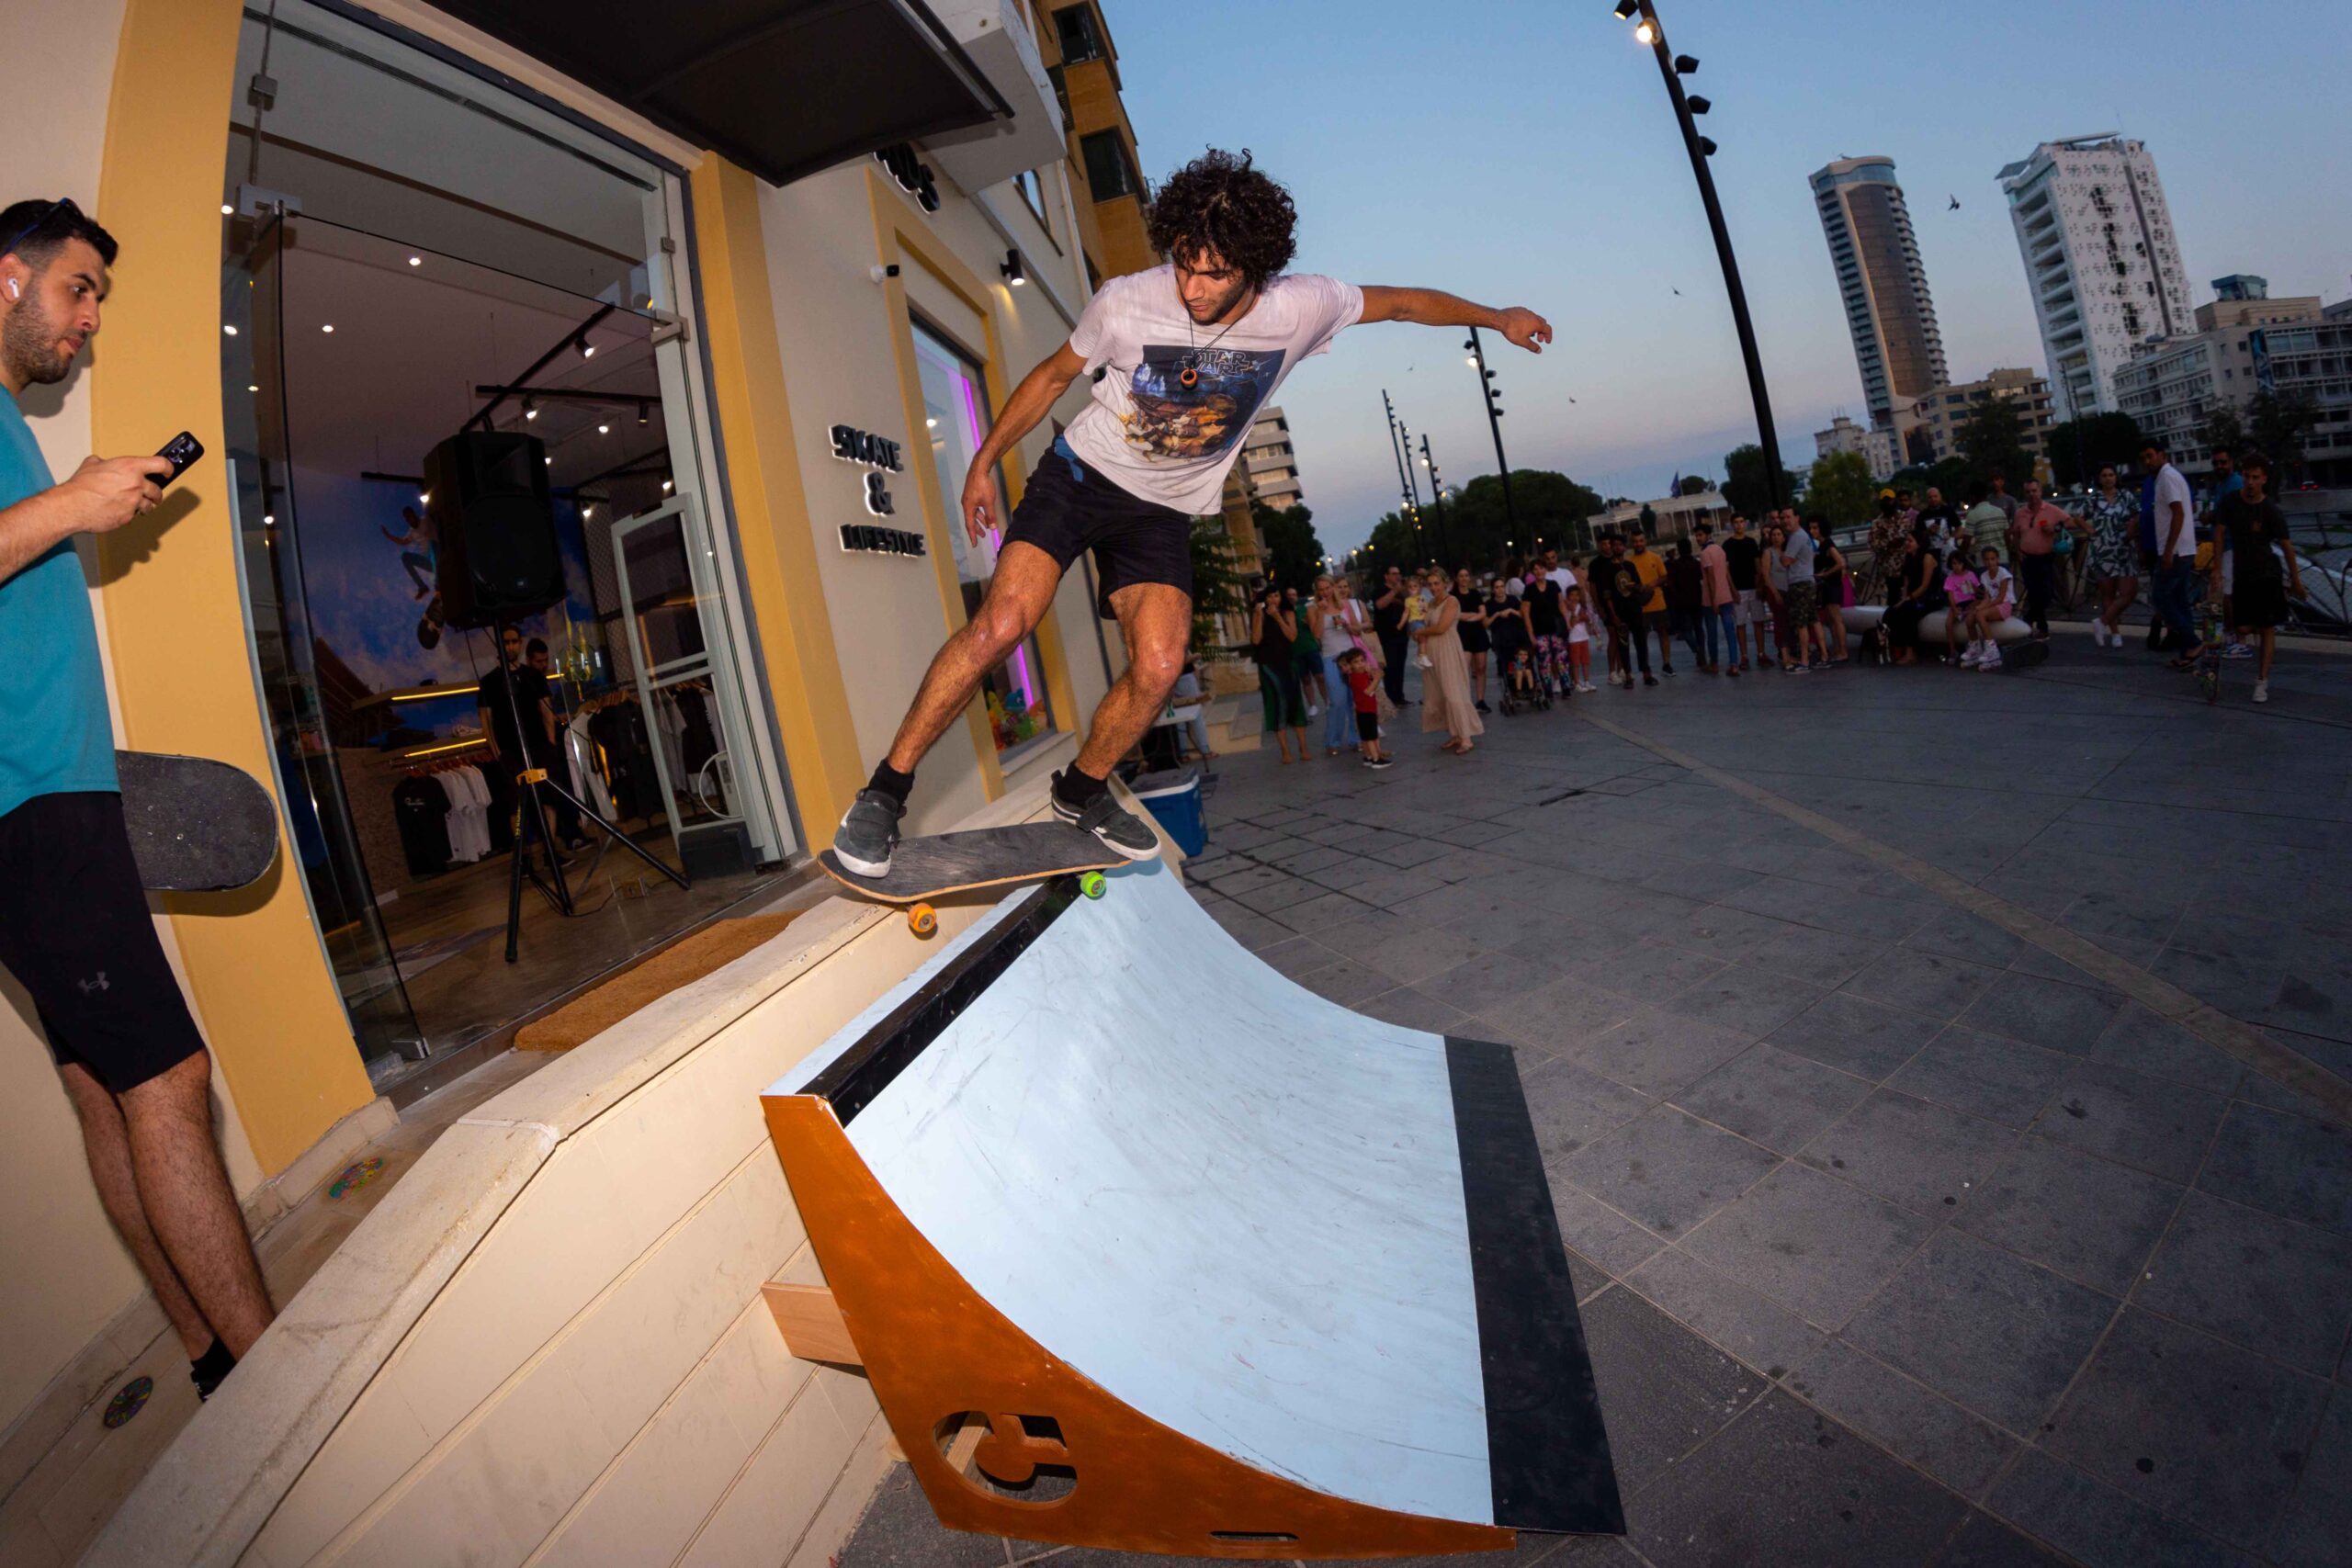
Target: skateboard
(924,869)
(2209,659)
(196,826)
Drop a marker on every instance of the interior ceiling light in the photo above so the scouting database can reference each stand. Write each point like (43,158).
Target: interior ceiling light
(587,350)
(424,498)
(229,329)
(665,486)
(326,326)
(548,461)
(603,430)
(255,388)
(227,210)
(642,416)
(416,261)
(587,511)
(530,409)
(269,519)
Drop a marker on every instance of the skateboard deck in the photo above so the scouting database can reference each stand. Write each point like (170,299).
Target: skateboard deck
(983,857)
(2208,663)
(196,826)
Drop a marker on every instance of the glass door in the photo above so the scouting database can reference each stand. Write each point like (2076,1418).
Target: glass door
(674,635)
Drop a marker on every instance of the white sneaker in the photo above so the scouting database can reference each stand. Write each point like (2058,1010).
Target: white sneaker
(2262,691)
(2098,632)
(1588,686)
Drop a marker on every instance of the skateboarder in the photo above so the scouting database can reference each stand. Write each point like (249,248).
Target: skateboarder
(74,928)
(1190,351)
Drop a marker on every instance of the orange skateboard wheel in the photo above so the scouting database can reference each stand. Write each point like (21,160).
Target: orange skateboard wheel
(922,920)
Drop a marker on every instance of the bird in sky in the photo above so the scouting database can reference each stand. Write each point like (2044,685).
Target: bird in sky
(1955,205)
(1678,293)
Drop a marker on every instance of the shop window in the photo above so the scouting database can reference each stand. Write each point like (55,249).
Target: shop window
(1110,170)
(956,420)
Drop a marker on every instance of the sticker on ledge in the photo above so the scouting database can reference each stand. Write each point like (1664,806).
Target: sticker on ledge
(356,1176)
(128,1401)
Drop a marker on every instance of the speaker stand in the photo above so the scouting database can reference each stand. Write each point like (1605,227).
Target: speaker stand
(529,782)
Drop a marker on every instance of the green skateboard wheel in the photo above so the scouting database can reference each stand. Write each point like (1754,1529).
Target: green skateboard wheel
(1093,885)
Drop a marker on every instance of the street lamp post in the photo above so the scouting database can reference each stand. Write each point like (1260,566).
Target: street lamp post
(1650,31)
(1493,399)
(1437,496)
(1409,502)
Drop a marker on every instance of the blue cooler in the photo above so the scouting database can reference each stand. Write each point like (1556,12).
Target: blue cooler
(1174,799)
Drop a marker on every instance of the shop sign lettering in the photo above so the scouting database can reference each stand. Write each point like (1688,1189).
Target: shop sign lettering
(851,444)
(882,541)
(913,175)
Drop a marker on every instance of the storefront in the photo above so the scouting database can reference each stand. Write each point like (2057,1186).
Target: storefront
(350,234)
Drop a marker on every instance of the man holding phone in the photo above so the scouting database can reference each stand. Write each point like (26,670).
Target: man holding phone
(75,929)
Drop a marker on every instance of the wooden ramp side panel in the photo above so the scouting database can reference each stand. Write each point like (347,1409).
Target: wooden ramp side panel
(935,1352)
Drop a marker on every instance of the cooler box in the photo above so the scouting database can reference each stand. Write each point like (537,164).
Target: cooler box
(1174,799)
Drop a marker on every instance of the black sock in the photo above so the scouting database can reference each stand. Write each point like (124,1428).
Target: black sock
(1078,790)
(892,782)
(207,1370)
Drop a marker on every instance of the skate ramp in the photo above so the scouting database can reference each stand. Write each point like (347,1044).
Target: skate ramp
(1223,1268)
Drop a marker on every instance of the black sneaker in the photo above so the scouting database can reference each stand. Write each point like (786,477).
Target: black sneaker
(1121,831)
(869,831)
(1379,762)
(1649,680)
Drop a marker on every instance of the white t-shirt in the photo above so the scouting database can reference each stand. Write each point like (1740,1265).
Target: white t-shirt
(1562,578)
(2173,485)
(1160,440)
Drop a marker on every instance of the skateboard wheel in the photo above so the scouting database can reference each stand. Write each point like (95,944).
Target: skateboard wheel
(1093,885)
(922,920)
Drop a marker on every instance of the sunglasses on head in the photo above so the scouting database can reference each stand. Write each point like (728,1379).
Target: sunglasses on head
(21,235)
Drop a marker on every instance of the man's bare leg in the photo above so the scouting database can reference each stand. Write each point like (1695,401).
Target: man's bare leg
(184,1194)
(1156,620)
(1018,597)
(107,1143)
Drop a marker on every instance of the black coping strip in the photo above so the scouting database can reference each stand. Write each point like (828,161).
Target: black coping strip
(1547,1449)
(866,1068)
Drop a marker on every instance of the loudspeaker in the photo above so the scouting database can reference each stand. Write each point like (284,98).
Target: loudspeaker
(495,520)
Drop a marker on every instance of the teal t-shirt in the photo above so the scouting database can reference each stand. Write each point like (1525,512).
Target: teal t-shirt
(57,737)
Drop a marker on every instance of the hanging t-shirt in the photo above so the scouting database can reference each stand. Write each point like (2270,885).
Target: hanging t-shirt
(1161,440)
(421,810)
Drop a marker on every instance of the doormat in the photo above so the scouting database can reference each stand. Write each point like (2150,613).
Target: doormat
(651,978)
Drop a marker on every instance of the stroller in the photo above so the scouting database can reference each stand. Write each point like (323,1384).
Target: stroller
(1524,689)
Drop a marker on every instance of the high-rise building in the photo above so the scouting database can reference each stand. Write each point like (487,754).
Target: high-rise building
(1876,256)
(1269,466)
(2102,258)
(1942,412)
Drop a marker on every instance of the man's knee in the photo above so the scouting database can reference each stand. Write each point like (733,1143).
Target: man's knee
(1156,669)
(998,628)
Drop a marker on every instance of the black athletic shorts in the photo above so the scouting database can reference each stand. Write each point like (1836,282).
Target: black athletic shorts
(1070,507)
(75,932)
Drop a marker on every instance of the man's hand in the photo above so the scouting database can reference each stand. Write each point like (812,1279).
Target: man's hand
(107,493)
(1525,327)
(980,499)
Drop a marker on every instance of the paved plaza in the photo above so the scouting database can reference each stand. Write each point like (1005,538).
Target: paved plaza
(1942,1080)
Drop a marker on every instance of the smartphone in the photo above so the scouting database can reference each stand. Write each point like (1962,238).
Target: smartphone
(180,451)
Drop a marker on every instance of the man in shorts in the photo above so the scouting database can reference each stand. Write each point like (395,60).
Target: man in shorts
(74,928)
(1192,351)
(1741,552)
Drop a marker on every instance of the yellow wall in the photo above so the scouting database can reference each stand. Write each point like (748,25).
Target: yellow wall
(174,619)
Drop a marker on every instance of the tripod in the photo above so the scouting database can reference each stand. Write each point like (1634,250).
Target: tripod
(529,780)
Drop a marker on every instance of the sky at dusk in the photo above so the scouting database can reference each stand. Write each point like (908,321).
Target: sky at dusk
(1523,152)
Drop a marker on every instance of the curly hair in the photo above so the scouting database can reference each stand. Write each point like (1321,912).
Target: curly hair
(1226,205)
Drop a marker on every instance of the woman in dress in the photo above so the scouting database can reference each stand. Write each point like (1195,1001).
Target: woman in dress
(1335,622)
(1829,579)
(1445,685)
(2110,527)
(1273,636)
(1475,639)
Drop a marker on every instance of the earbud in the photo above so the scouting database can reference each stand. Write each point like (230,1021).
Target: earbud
(16,290)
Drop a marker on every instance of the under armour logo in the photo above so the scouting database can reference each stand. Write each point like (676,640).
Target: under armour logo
(92,987)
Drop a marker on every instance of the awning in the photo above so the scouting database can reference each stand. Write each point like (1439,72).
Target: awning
(783,87)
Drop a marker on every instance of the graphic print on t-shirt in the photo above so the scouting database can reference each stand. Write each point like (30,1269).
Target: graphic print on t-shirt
(1173,420)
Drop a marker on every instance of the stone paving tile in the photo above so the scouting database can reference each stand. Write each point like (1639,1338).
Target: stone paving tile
(1655,1052)
(2151,1126)
(1810,1242)
(1664,1391)
(1296,957)
(1785,1484)
(1571,1108)
(2269,1284)
(1773,1097)
(1346,981)
(1956,933)
(2284,1164)
(1667,1170)
(900,1531)
(1408,1007)
(1599,1233)
(2049,1013)
(1990,1076)
(1985,1542)
(2210,1434)
(2097,1526)
(1559,1013)
(1986,1329)
(1752,1000)
(1761,1333)
(2318,1520)
(1826,958)
(1960,1450)
(1649,973)
(2138,1038)
(1923,1156)
(1924,982)
(1248,928)
(2089,1219)
(1319,914)
(1855,1036)
(2256,1089)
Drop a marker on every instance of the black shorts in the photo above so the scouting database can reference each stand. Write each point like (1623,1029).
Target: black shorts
(1070,507)
(1367,727)
(75,932)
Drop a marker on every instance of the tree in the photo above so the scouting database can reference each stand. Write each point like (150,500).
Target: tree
(2281,428)
(1746,482)
(1993,440)
(1841,488)
(2080,447)
(1693,484)
(1294,555)
(1220,582)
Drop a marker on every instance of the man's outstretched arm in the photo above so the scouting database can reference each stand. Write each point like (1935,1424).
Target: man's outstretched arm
(1038,391)
(1436,307)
